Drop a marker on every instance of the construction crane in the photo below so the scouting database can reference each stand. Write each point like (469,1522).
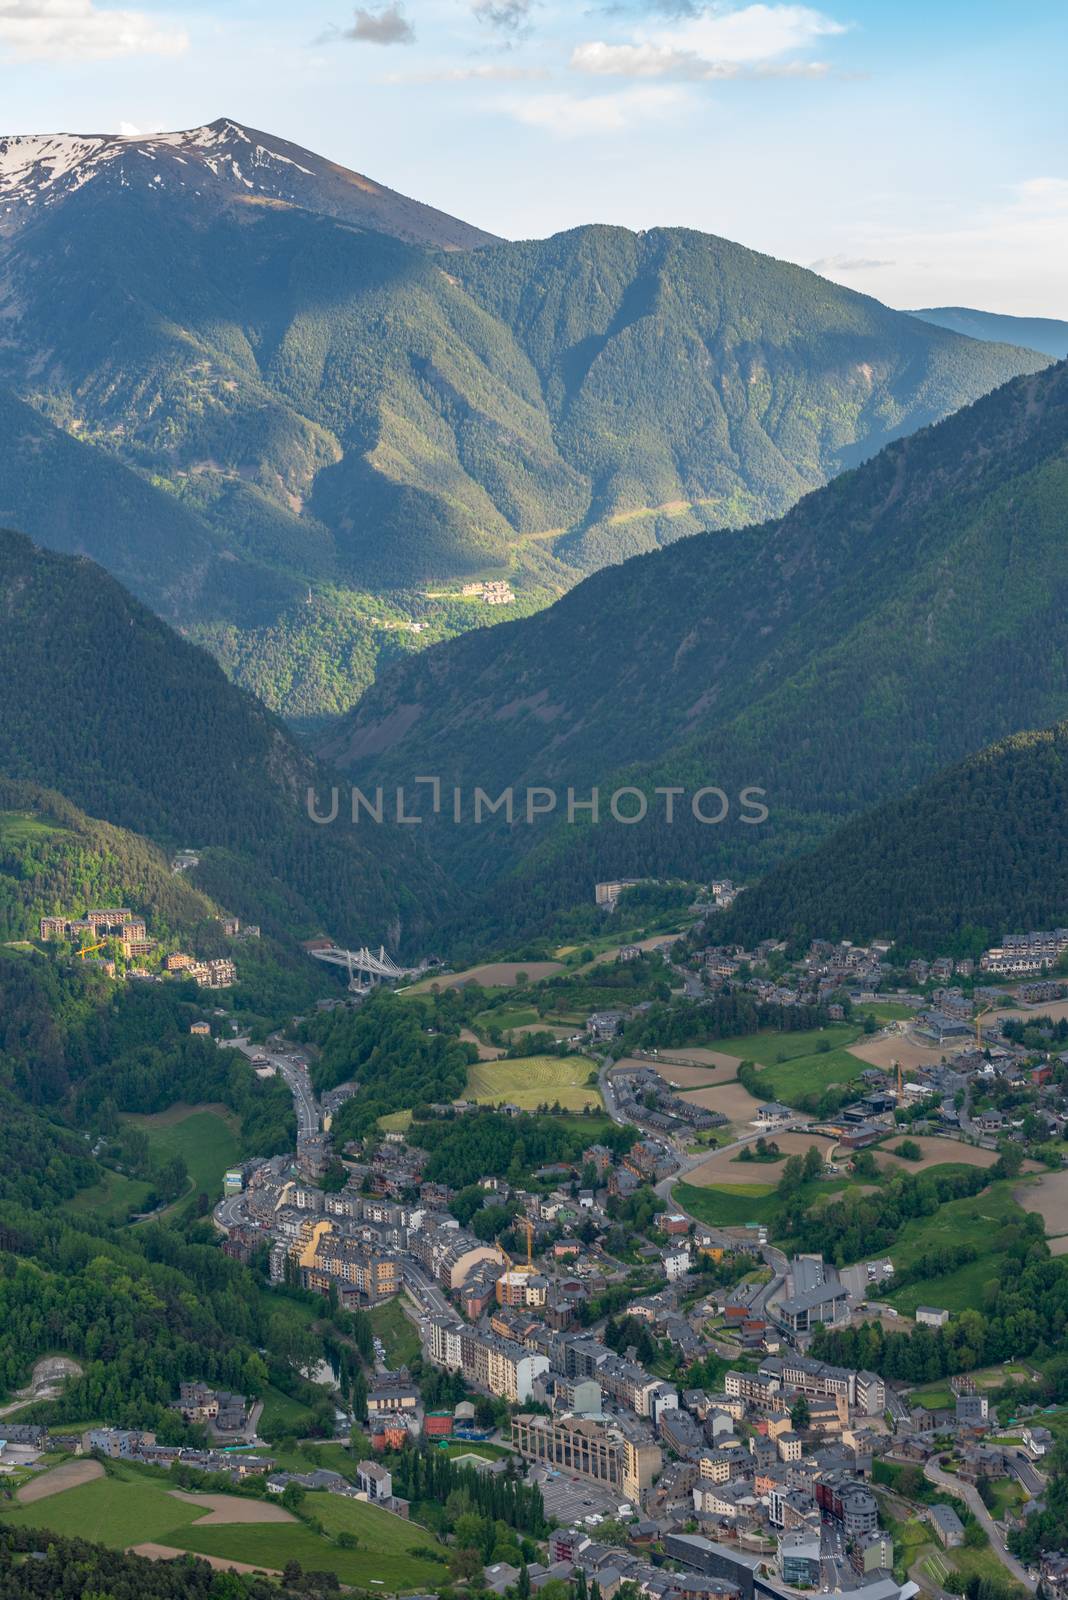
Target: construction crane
(521,1266)
(91,947)
(978,1018)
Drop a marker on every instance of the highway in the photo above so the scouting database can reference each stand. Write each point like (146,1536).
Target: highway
(294,1069)
(230,1213)
(425,1292)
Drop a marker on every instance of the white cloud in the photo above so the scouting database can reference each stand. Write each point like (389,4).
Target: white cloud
(1008,256)
(715,42)
(570,116)
(843,263)
(483,72)
(78,30)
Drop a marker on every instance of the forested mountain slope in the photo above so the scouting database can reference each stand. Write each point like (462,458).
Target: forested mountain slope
(907,614)
(54,859)
(105,704)
(1047,334)
(978,851)
(336,401)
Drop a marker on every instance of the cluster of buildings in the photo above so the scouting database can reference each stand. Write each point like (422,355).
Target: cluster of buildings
(773,1507)
(97,927)
(137,1444)
(635,1087)
(126,932)
(1024,954)
(497,592)
(220,973)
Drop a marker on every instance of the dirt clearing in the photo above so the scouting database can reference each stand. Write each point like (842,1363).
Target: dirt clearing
(723,1168)
(230,1508)
(71,1475)
(736,1103)
(1049,1198)
(936,1153)
(721,1070)
(166,1552)
(486,1052)
(884,1052)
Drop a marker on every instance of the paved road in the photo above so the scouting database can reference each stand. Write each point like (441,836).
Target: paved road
(972,1499)
(604,1083)
(230,1213)
(691,982)
(425,1291)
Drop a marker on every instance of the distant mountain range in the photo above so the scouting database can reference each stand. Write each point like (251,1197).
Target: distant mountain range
(281,376)
(905,615)
(1045,334)
(978,851)
(134,726)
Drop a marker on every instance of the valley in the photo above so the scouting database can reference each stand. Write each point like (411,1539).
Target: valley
(346,402)
(533,802)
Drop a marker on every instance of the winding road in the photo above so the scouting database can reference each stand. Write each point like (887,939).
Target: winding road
(973,1500)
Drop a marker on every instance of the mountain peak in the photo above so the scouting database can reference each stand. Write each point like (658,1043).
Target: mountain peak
(222,160)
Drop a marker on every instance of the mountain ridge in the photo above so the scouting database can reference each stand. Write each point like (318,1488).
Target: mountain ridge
(137,727)
(908,869)
(801,656)
(1049,335)
(43,170)
(337,409)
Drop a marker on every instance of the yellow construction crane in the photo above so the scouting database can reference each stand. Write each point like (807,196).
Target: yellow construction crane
(91,947)
(521,1266)
(978,1017)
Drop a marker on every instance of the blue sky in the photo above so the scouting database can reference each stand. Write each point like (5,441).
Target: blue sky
(914,151)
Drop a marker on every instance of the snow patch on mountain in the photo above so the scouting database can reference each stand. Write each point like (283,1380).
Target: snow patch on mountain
(217,162)
(38,169)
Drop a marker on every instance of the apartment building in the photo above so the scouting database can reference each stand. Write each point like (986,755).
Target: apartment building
(603,1453)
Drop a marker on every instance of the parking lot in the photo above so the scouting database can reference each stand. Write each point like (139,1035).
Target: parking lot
(571,1500)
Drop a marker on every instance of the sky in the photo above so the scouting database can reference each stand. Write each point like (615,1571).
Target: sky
(914,150)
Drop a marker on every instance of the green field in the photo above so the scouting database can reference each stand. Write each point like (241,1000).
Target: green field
(207,1141)
(24,827)
(328,1453)
(532,1081)
(463,1452)
(114,1199)
(794,1065)
(395,1122)
(769,1048)
(505,1017)
(128,1507)
(790,1081)
(282,1414)
(975,1221)
(739,1204)
(396,1332)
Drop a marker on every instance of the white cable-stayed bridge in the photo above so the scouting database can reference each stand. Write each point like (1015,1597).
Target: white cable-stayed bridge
(364,967)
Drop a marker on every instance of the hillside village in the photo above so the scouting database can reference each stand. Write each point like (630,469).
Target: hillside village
(654,1367)
(776,1472)
(122,936)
